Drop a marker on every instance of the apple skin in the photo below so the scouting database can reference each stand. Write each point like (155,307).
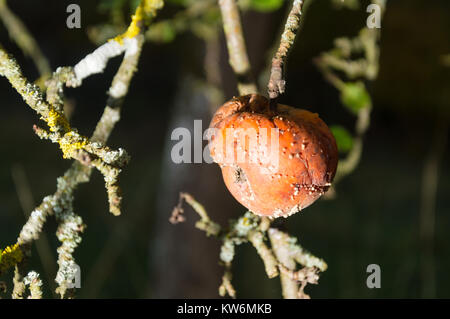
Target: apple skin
(276,183)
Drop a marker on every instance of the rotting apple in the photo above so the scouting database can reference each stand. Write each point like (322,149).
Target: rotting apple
(283,182)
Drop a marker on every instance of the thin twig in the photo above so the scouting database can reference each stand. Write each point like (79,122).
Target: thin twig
(351,161)
(34,282)
(27,203)
(266,254)
(226,288)
(284,253)
(289,253)
(205,223)
(19,286)
(22,36)
(236,46)
(277,83)
(280,246)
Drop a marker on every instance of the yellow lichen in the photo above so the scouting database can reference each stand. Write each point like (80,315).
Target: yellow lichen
(145,11)
(55,120)
(246,221)
(133,30)
(9,257)
(70,143)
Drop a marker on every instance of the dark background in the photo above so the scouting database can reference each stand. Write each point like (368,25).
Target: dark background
(375,217)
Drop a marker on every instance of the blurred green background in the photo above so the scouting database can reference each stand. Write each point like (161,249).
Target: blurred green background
(377,215)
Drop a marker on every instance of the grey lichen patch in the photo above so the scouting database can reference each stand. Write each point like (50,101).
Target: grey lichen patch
(34,282)
(227,251)
(277,84)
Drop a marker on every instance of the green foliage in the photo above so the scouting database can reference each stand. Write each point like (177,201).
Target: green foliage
(212,16)
(133,5)
(343,138)
(162,32)
(265,5)
(349,4)
(106,5)
(354,96)
(184,3)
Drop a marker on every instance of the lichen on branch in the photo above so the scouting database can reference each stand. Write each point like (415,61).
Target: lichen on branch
(9,257)
(89,153)
(73,145)
(256,230)
(277,83)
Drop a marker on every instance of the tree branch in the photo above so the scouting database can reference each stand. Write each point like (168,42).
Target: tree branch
(237,51)
(277,83)
(280,258)
(93,154)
